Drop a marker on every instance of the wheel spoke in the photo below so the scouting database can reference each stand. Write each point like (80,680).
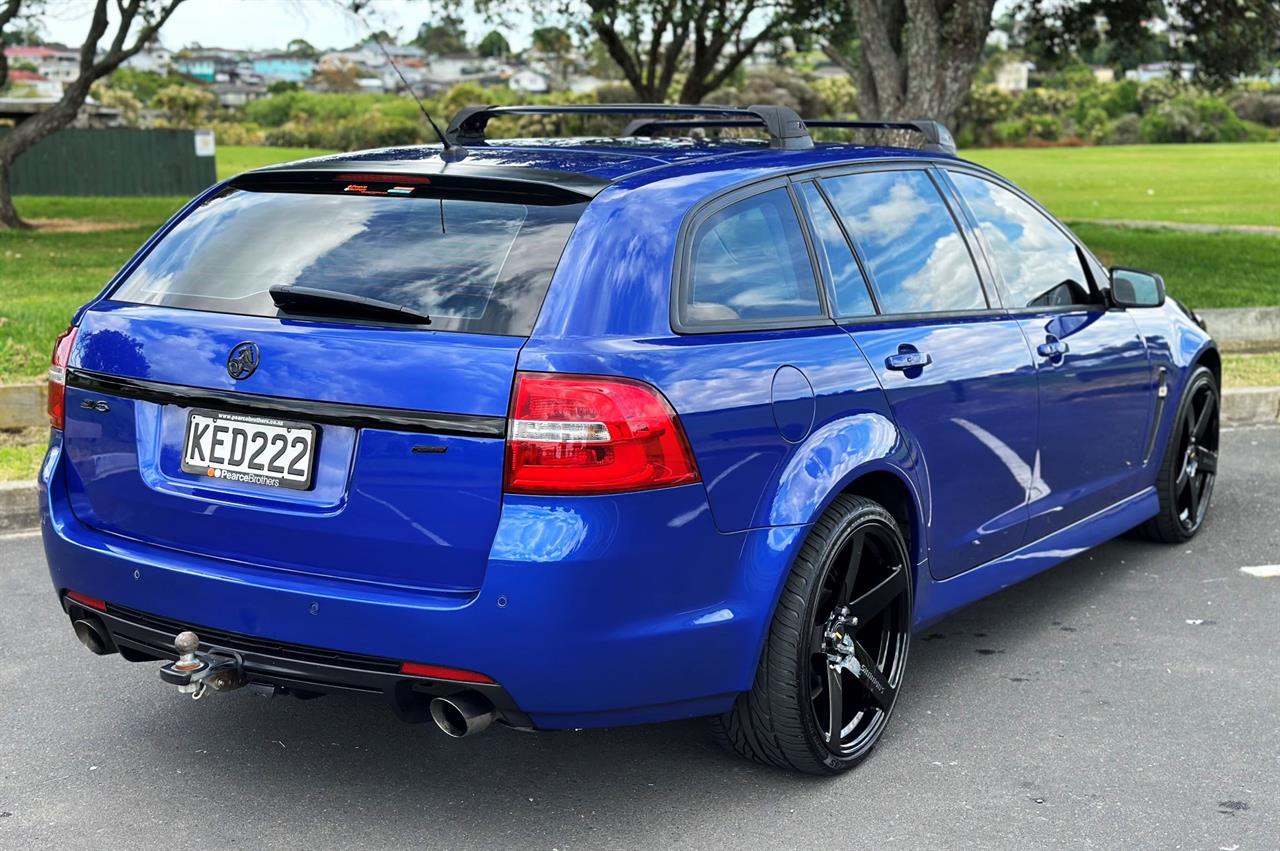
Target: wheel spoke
(1207,459)
(1180,484)
(873,680)
(1194,490)
(1189,422)
(851,567)
(878,598)
(1202,421)
(835,706)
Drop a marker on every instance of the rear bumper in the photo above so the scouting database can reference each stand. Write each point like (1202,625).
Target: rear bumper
(594,612)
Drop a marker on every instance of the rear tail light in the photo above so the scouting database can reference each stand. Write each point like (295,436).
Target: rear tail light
(58,377)
(585,434)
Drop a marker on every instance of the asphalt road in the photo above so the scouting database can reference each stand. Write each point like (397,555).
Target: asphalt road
(1129,698)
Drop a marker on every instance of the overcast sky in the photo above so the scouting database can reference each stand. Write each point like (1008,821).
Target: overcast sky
(266,24)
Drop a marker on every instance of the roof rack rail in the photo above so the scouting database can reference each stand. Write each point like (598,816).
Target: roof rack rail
(937,138)
(786,129)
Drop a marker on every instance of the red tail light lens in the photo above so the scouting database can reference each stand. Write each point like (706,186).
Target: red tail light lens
(86,600)
(58,378)
(584,434)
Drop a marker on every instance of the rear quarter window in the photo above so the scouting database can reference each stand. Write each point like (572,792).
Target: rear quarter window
(748,264)
(477,266)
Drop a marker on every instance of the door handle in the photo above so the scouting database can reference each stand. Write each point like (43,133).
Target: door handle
(1053,349)
(908,360)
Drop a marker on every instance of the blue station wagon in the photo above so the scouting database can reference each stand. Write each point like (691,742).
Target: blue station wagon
(586,432)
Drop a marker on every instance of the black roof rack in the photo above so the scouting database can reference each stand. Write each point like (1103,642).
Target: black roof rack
(786,129)
(937,138)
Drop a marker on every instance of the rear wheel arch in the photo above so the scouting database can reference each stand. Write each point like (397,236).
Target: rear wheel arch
(893,491)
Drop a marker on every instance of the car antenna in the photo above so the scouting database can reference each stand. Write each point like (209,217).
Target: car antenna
(451,151)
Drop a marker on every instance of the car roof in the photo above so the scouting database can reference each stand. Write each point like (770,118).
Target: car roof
(607,160)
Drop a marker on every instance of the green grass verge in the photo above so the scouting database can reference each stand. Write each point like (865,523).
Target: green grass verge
(1199,269)
(1251,370)
(1200,184)
(21,453)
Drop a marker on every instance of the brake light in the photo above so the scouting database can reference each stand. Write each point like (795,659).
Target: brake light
(58,377)
(440,672)
(586,434)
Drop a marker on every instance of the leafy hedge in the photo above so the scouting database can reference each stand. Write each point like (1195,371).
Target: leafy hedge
(1119,113)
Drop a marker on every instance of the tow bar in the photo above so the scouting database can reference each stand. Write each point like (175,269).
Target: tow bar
(198,673)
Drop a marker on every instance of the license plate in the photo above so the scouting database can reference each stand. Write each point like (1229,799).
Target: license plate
(249,450)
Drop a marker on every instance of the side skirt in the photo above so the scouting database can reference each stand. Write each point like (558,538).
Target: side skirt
(937,599)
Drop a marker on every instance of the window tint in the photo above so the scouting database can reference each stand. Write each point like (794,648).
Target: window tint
(749,263)
(851,295)
(475,266)
(1038,262)
(915,254)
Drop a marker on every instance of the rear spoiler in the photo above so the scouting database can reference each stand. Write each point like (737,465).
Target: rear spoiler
(458,179)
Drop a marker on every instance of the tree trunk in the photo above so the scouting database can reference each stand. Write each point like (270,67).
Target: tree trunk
(919,57)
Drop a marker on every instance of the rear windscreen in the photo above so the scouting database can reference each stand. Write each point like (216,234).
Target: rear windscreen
(471,265)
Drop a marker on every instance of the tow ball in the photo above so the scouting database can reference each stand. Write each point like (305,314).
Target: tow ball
(197,673)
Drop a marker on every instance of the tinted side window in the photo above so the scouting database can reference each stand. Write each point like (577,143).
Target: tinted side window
(1038,262)
(917,259)
(851,295)
(749,263)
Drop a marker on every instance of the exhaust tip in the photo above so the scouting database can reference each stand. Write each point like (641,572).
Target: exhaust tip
(463,714)
(93,636)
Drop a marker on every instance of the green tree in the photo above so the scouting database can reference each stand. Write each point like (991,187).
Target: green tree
(184,106)
(446,37)
(494,45)
(303,48)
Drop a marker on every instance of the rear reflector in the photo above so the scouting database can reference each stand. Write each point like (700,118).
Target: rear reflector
(58,377)
(588,434)
(440,672)
(86,600)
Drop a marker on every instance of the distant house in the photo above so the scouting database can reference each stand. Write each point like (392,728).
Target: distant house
(207,65)
(1103,74)
(1161,71)
(30,84)
(153,58)
(58,64)
(1014,76)
(283,66)
(237,94)
(528,80)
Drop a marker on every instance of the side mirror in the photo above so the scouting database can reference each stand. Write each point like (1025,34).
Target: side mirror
(1132,288)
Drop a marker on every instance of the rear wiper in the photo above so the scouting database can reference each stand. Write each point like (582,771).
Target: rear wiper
(333,303)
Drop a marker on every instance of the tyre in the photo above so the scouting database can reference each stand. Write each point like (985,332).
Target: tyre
(1190,464)
(834,659)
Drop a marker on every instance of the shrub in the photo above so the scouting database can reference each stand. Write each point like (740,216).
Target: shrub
(1191,118)
(1260,107)
(1125,130)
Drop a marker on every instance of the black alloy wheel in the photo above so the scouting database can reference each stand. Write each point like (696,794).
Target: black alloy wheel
(1190,464)
(836,654)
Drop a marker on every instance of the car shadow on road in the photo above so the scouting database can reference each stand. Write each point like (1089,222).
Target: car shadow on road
(352,757)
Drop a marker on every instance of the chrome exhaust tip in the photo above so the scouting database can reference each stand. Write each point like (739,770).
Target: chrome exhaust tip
(463,714)
(93,636)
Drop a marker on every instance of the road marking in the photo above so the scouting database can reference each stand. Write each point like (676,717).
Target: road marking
(18,536)
(1263,571)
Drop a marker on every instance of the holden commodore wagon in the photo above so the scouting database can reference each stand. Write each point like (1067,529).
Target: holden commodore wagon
(570,433)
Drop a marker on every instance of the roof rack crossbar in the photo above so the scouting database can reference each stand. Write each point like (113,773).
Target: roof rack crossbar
(937,139)
(786,129)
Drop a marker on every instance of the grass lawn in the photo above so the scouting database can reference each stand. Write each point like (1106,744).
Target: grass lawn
(21,452)
(1262,370)
(1200,184)
(1199,269)
(232,159)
